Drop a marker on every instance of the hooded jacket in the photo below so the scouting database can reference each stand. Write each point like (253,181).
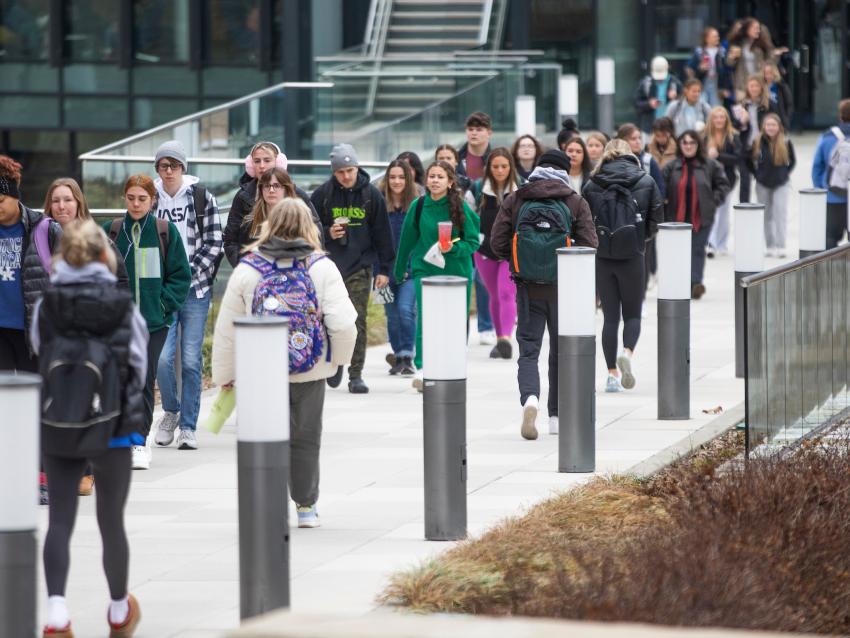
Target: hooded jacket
(369,239)
(646,91)
(627,172)
(820,164)
(338,313)
(487,208)
(711,184)
(237,234)
(543,183)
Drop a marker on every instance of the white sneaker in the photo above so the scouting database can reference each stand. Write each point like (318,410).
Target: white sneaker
(613,384)
(529,416)
(186,440)
(141,457)
(487,338)
(553,425)
(624,363)
(165,428)
(418,381)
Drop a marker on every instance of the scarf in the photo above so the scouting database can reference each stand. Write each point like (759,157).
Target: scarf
(687,202)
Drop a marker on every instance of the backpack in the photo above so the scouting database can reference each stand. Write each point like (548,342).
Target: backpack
(81,395)
(619,224)
(542,226)
(838,170)
(42,243)
(161,231)
(289,292)
(199,198)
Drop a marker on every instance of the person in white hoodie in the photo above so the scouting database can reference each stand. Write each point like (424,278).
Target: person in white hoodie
(289,234)
(192,208)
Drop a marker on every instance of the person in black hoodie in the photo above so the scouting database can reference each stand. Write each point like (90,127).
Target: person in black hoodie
(263,157)
(357,234)
(772,161)
(620,282)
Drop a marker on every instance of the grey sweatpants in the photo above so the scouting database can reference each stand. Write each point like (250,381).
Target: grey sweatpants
(306,404)
(775,202)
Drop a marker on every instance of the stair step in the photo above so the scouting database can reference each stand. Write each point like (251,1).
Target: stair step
(397,97)
(449,42)
(418,81)
(432,28)
(430,15)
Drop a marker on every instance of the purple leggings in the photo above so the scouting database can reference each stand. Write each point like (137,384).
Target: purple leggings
(497,279)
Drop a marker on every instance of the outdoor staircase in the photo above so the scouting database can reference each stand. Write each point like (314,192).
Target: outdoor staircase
(434,26)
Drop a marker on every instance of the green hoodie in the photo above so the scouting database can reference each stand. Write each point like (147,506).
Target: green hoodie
(159,287)
(415,242)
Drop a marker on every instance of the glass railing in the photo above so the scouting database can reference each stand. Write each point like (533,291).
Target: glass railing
(798,354)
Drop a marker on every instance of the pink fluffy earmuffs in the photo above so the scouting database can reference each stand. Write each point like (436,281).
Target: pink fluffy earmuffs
(280,160)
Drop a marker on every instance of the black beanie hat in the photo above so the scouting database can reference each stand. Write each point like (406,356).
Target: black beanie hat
(555,158)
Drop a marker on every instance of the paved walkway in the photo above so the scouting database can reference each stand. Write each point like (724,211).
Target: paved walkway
(182,514)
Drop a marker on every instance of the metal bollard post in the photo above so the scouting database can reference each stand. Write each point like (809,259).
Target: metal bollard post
(576,359)
(19,404)
(749,259)
(262,434)
(812,221)
(444,317)
(674,321)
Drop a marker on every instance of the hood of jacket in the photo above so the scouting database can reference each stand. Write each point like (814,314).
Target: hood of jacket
(487,188)
(543,173)
(86,299)
(93,272)
(625,171)
(178,199)
(278,248)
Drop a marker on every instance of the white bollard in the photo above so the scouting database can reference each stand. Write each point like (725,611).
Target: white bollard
(525,115)
(568,97)
(605,90)
(812,221)
(749,259)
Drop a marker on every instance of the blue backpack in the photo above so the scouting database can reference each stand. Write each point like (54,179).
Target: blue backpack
(289,292)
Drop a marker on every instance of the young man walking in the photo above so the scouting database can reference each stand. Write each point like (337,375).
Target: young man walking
(357,234)
(537,303)
(192,208)
(832,162)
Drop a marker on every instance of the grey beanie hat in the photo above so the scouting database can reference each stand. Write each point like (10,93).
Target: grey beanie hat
(174,150)
(343,156)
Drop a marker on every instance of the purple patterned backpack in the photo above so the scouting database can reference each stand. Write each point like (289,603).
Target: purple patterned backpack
(289,292)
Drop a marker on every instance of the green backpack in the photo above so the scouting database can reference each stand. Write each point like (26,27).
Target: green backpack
(542,226)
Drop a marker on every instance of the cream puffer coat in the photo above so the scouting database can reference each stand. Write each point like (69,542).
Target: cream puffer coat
(338,315)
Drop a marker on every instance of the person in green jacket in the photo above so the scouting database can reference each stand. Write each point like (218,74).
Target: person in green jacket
(443,202)
(159,275)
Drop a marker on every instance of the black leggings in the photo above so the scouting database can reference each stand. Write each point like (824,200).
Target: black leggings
(620,284)
(14,352)
(112,476)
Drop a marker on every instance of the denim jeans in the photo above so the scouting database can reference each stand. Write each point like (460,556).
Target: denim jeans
(482,303)
(401,318)
(191,318)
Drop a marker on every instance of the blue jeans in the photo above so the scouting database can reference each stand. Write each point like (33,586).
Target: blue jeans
(482,304)
(192,318)
(401,318)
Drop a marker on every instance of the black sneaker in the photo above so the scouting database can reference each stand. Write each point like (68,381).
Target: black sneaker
(357,386)
(390,359)
(396,367)
(336,379)
(494,353)
(504,348)
(407,367)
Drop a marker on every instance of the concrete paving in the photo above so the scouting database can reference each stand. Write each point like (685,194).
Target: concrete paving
(182,513)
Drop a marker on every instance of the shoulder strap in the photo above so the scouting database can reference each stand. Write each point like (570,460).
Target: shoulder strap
(162,232)
(199,194)
(261,265)
(417,213)
(839,134)
(42,246)
(309,260)
(115,228)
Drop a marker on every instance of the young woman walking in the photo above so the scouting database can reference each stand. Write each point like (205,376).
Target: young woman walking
(443,202)
(595,144)
(722,144)
(750,115)
(773,160)
(500,180)
(580,164)
(160,277)
(620,282)
(399,190)
(525,152)
(84,279)
(288,236)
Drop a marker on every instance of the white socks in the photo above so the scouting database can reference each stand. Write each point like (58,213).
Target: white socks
(119,610)
(531,401)
(57,612)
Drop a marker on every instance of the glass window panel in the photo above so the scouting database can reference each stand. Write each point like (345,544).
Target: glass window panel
(839,333)
(234,31)
(233,82)
(28,78)
(793,355)
(45,156)
(808,320)
(92,29)
(824,347)
(149,112)
(90,140)
(29,111)
(96,112)
(774,355)
(94,78)
(24,30)
(165,80)
(618,37)
(756,366)
(161,30)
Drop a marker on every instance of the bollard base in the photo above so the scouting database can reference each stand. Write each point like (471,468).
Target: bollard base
(17,583)
(576,404)
(444,423)
(263,475)
(740,352)
(674,359)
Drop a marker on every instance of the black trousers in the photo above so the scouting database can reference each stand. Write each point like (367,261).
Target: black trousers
(836,221)
(306,405)
(533,317)
(14,352)
(619,284)
(156,341)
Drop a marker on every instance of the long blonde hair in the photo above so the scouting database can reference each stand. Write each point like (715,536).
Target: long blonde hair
(764,100)
(289,219)
(613,149)
(84,242)
(777,145)
(711,133)
(76,193)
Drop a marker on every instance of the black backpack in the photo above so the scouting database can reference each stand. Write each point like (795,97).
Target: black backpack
(81,395)
(619,225)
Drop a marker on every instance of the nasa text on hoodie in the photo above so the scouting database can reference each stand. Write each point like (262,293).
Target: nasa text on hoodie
(176,209)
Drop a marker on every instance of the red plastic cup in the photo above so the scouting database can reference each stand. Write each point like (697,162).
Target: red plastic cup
(444,230)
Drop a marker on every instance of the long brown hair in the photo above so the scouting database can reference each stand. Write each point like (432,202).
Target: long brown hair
(764,100)
(726,133)
(776,145)
(538,147)
(260,211)
(455,195)
(409,193)
(500,151)
(82,207)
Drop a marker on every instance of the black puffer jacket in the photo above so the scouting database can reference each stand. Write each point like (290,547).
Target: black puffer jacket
(34,279)
(711,184)
(627,172)
(236,234)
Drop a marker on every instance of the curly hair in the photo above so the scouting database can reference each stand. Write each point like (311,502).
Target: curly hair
(455,195)
(10,169)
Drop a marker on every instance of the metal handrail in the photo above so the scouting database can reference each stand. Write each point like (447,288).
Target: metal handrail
(427,74)
(385,8)
(485,23)
(221,161)
(201,114)
(784,269)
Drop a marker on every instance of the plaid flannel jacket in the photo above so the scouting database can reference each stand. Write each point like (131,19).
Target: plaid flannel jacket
(203,249)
